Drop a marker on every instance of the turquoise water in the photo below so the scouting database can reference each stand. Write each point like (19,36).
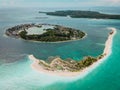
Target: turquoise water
(15,70)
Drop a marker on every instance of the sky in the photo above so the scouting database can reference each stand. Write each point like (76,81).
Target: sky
(58,3)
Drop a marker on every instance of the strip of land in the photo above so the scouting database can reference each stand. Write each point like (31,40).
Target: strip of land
(83,14)
(62,68)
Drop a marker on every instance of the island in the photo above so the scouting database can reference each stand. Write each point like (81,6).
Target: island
(69,67)
(45,32)
(82,14)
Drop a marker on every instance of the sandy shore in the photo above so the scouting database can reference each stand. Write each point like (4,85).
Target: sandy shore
(107,51)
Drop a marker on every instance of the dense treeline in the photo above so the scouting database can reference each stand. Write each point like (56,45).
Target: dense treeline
(83,14)
(59,33)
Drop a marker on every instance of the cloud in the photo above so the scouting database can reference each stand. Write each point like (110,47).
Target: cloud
(58,3)
(114,1)
(6,3)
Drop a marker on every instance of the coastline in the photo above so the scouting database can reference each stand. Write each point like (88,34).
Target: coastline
(63,34)
(107,51)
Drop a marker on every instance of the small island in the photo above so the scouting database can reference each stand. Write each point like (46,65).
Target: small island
(69,67)
(82,14)
(44,32)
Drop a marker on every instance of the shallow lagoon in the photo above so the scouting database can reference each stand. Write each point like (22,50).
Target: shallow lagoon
(38,30)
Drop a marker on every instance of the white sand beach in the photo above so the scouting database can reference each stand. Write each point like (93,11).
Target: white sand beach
(107,51)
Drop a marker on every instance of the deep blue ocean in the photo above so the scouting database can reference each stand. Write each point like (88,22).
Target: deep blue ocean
(15,70)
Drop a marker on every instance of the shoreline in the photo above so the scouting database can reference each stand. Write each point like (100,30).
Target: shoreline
(107,51)
(21,32)
(48,42)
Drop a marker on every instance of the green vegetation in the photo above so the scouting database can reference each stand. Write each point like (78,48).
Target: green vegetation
(59,33)
(83,14)
(23,34)
(59,68)
(69,64)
